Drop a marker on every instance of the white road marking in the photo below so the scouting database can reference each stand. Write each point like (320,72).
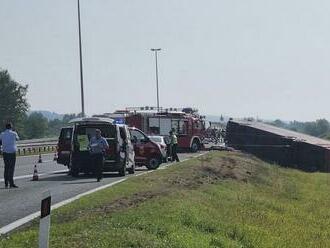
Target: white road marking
(26,219)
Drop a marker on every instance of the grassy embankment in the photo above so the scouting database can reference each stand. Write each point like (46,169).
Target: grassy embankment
(225,200)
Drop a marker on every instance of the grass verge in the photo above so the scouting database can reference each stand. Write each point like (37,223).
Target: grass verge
(224,199)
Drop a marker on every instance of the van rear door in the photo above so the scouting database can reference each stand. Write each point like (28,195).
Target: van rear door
(64,146)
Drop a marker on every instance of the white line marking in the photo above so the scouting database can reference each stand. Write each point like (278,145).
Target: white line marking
(26,219)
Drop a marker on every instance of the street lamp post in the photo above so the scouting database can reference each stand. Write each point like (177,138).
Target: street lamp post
(156,50)
(81,66)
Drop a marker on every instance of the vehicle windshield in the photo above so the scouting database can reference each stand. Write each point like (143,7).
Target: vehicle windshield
(156,139)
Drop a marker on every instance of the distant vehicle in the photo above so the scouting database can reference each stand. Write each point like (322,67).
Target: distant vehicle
(186,122)
(73,148)
(147,152)
(160,140)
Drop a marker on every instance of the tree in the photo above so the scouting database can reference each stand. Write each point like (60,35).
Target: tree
(279,123)
(54,127)
(68,117)
(36,126)
(322,127)
(13,102)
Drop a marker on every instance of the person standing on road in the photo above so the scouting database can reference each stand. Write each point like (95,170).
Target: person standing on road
(8,139)
(168,147)
(174,146)
(98,146)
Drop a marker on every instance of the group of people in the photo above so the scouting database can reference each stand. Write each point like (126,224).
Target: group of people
(97,147)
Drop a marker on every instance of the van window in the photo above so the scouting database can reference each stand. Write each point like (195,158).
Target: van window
(138,136)
(66,134)
(83,135)
(108,132)
(180,126)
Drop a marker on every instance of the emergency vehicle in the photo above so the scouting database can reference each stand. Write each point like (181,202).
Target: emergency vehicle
(73,145)
(188,125)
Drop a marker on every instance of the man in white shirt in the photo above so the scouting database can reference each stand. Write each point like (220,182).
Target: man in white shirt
(98,146)
(8,139)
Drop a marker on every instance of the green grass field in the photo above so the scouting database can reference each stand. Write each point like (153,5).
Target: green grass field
(224,199)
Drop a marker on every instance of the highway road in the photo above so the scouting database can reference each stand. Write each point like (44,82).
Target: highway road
(25,165)
(18,203)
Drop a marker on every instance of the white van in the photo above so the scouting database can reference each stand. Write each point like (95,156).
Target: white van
(119,157)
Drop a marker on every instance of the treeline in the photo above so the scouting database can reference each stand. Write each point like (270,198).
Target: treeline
(37,126)
(319,128)
(14,108)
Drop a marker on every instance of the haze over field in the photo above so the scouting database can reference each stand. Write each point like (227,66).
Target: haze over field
(238,58)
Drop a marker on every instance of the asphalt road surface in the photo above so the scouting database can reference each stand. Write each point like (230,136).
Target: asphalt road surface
(25,165)
(18,203)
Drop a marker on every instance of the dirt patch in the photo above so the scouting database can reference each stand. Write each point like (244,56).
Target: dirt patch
(213,169)
(117,205)
(132,201)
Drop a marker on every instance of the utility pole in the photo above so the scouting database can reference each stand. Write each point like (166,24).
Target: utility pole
(81,66)
(156,50)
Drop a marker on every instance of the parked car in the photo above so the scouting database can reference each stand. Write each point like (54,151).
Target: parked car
(147,152)
(160,140)
(73,150)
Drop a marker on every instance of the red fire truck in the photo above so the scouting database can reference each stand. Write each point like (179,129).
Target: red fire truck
(186,122)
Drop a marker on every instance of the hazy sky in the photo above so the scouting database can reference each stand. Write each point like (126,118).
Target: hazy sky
(240,58)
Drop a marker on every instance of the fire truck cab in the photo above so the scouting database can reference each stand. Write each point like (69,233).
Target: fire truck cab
(188,125)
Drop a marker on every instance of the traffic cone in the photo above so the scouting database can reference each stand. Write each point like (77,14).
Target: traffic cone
(40,159)
(55,156)
(35,174)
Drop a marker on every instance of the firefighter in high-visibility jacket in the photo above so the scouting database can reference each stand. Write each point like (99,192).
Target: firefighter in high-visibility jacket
(174,146)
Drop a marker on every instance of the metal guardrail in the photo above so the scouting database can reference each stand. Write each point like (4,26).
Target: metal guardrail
(34,141)
(37,146)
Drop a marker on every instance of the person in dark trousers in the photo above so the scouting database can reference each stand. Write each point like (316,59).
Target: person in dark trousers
(174,146)
(98,146)
(168,148)
(8,139)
